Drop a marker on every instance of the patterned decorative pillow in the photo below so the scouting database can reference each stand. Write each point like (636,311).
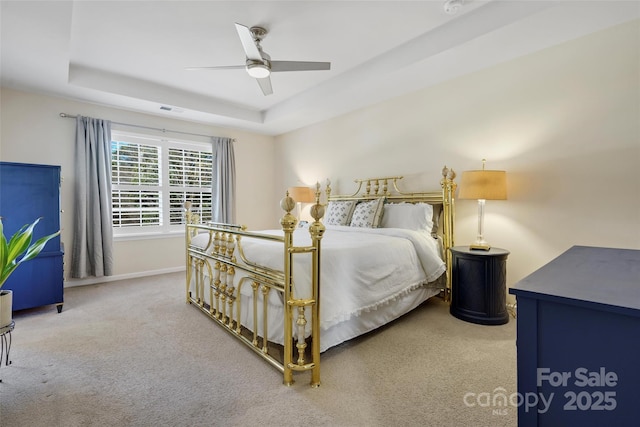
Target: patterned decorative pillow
(368,214)
(339,212)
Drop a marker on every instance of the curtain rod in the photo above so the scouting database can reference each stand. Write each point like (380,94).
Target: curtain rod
(69,116)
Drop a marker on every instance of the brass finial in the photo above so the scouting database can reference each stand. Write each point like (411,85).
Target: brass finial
(287,203)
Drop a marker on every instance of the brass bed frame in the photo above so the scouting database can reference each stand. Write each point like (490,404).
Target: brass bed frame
(224,256)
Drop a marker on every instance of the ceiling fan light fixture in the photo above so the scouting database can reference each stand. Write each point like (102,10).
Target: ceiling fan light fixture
(258,70)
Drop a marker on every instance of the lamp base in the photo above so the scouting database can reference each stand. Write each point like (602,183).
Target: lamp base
(480,246)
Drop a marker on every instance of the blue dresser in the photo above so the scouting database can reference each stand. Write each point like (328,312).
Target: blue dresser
(28,192)
(578,340)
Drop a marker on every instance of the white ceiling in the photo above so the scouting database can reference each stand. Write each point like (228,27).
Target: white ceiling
(133,54)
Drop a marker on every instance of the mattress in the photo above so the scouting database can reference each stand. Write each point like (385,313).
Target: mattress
(368,277)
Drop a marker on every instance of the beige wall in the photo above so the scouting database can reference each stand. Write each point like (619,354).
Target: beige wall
(563,122)
(31,131)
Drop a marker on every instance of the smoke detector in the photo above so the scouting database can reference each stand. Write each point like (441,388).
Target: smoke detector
(452,7)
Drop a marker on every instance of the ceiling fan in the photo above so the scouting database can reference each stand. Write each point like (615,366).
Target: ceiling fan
(259,64)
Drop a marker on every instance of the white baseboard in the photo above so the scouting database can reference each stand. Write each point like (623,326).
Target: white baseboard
(70,283)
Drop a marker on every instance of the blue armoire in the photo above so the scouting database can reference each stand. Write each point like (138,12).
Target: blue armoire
(28,192)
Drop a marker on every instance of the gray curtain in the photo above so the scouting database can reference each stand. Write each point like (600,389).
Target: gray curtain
(92,253)
(224,181)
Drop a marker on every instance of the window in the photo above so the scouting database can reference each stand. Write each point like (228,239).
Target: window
(151,180)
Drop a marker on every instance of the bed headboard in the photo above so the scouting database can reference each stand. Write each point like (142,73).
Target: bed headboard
(387,188)
(442,200)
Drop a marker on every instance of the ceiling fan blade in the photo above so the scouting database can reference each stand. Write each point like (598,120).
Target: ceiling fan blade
(249,45)
(265,85)
(219,67)
(299,66)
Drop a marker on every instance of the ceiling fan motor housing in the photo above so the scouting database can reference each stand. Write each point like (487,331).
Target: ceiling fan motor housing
(258,33)
(258,69)
(255,68)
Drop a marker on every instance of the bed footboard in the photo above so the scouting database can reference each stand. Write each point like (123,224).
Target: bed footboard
(218,271)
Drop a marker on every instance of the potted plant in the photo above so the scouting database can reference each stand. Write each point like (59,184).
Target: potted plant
(13,253)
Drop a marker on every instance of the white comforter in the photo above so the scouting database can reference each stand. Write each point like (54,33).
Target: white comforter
(361,269)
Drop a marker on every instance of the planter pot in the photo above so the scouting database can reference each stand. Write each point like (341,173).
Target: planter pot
(6,304)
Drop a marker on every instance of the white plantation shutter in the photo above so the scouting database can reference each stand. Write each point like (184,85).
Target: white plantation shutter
(136,185)
(133,208)
(189,179)
(151,180)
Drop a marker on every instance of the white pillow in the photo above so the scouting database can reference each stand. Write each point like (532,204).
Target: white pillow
(368,214)
(418,216)
(339,212)
(201,240)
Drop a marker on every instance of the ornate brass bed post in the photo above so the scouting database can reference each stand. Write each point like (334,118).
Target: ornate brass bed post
(288,223)
(448,207)
(299,304)
(316,230)
(188,220)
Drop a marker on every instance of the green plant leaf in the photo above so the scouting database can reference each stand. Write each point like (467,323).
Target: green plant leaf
(20,241)
(37,247)
(19,244)
(4,250)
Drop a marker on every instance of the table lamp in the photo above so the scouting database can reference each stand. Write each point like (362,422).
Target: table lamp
(483,185)
(301,195)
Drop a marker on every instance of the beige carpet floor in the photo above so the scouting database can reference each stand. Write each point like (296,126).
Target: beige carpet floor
(133,353)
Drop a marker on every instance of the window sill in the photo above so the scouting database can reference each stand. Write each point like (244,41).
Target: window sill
(147,236)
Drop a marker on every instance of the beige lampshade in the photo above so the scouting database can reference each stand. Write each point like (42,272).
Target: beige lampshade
(483,184)
(302,194)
